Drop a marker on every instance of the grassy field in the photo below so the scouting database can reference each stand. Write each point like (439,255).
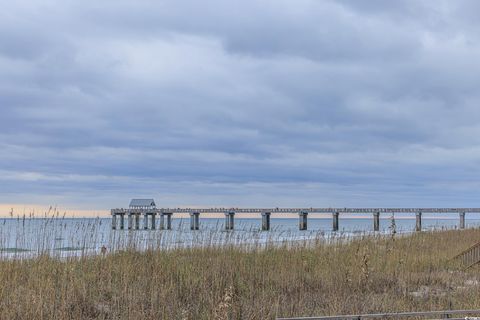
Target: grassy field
(360,276)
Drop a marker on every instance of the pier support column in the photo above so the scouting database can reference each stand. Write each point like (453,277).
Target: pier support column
(168,223)
(130,221)
(335,221)
(302,220)
(266,221)
(122,221)
(137,221)
(376,221)
(194,220)
(162,221)
(418,221)
(114,221)
(229,220)
(462,220)
(153,220)
(145,221)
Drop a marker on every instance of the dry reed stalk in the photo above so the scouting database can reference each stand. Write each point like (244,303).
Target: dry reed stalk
(235,281)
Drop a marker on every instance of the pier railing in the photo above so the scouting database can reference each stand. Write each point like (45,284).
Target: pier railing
(400,315)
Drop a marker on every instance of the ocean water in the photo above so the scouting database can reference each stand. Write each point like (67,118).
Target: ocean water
(65,237)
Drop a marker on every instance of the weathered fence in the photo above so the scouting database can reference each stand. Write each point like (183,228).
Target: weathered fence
(446,314)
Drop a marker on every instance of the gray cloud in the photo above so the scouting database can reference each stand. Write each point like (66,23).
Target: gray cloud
(259,103)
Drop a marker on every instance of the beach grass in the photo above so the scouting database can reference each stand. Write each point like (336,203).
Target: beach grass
(365,275)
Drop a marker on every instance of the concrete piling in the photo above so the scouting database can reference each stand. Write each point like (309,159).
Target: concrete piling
(194,220)
(376,221)
(302,220)
(114,221)
(162,221)
(130,221)
(229,220)
(137,221)
(335,221)
(266,221)
(153,220)
(122,221)
(145,221)
(462,220)
(418,221)
(168,223)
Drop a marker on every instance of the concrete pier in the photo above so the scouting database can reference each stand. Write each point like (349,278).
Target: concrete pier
(462,220)
(266,221)
(376,221)
(418,221)
(194,220)
(229,220)
(146,207)
(303,220)
(335,221)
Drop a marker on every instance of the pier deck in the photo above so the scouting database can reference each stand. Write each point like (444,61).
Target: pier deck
(296,210)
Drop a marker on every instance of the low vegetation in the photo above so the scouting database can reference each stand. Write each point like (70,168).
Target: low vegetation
(366,275)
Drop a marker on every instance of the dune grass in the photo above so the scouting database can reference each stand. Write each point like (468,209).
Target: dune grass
(371,274)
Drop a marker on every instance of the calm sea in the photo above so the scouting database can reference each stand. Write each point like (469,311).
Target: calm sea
(78,236)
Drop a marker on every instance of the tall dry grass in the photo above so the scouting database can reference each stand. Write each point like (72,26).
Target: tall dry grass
(369,274)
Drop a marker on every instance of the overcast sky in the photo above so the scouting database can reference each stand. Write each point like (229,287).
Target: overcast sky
(240,103)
